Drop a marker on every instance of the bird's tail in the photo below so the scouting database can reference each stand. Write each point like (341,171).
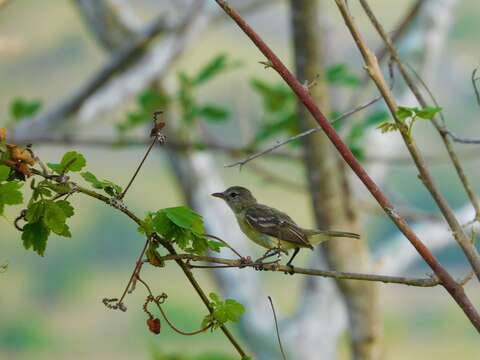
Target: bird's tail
(318,236)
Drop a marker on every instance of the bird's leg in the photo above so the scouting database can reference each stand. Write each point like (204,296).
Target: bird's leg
(269,253)
(289,263)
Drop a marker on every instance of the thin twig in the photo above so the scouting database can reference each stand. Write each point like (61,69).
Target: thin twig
(164,315)
(302,134)
(474,84)
(276,329)
(122,195)
(224,243)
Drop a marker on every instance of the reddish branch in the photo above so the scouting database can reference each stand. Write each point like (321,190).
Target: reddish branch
(455,289)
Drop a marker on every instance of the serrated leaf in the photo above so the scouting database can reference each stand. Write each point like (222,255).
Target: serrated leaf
(71,161)
(4,172)
(35,211)
(54,217)
(223,311)
(66,207)
(35,236)
(10,194)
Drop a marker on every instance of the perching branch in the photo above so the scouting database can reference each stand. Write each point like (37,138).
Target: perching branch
(275,267)
(455,290)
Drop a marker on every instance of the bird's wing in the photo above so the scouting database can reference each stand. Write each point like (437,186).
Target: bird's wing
(275,223)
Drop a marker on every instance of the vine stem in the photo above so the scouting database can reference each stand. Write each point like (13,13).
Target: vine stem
(455,289)
(188,273)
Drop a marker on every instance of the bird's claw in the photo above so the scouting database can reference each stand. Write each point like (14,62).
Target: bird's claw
(258,266)
(291,271)
(244,261)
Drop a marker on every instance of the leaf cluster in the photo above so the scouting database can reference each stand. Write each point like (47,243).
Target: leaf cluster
(185,98)
(280,104)
(223,311)
(9,189)
(44,217)
(183,227)
(407,117)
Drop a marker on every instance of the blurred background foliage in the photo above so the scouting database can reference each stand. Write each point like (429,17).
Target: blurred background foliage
(51,307)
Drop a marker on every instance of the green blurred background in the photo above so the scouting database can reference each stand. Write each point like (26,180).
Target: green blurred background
(51,307)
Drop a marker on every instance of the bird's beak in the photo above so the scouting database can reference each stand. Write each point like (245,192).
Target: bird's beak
(220,195)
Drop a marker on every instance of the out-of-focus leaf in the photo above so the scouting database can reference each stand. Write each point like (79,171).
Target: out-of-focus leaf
(21,108)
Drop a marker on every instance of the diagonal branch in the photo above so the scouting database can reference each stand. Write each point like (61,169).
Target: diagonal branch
(455,290)
(458,232)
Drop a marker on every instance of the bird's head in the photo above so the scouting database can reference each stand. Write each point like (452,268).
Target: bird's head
(237,197)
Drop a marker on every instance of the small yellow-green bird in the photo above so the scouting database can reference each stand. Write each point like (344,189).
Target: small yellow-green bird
(271,228)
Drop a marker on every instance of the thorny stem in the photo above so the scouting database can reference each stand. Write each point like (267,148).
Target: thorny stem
(469,250)
(455,290)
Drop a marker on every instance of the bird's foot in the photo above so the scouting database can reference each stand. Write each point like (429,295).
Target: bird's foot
(291,271)
(244,261)
(258,265)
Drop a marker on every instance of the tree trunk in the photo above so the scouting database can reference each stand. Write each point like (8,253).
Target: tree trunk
(330,191)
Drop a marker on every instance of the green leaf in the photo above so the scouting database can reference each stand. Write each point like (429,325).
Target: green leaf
(213,113)
(10,194)
(213,68)
(21,108)
(186,218)
(151,100)
(71,161)
(108,186)
(54,217)
(4,172)
(428,113)
(35,236)
(404,113)
(35,211)
(339,75)
(223,311)
(66,207)
(275,97)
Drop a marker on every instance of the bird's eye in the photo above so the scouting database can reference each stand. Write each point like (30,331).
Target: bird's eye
(233,195)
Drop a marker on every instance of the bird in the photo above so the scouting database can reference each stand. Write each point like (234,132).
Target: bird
(272,228)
